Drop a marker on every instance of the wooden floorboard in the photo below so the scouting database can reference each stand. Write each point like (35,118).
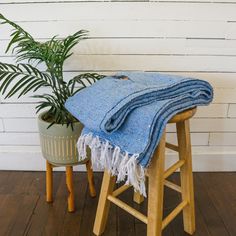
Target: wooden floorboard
(222,191)
(72,221)
(89,209)
(208,210)
(15,213)
(23,210)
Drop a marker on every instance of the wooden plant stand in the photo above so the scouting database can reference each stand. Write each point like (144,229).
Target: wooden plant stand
(69,183)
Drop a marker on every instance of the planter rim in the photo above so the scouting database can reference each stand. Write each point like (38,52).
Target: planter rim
(40,118)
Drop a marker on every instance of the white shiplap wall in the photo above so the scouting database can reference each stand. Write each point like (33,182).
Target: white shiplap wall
(195,38)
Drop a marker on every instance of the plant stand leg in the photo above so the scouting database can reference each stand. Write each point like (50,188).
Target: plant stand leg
(69,183)
(90,179)
(49,182)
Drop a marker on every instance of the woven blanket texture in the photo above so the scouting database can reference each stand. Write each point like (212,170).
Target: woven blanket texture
(124,118)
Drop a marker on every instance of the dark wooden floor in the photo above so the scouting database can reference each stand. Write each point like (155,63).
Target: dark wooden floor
(23,210)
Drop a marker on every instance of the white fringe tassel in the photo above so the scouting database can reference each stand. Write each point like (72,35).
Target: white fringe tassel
(105,156)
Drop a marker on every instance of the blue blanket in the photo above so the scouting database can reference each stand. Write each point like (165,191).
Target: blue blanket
(124,118)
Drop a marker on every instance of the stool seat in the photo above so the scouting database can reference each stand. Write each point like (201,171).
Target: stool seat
(184,115)
(158,178)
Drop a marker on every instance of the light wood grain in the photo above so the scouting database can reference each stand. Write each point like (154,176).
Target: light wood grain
(138,198)
(103,204)
(186,176)
(70,187)
(173,186)
(128,208)
(49,182)
(90,176)
(174,213)
(156,190)
(120,190)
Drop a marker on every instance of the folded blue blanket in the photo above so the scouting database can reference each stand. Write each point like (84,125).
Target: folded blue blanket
(124,118)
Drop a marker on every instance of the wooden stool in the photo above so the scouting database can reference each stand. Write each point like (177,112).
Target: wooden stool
(157,179)
(69,183)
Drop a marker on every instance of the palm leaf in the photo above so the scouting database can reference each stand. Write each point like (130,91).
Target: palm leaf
(21,78)
(83,80)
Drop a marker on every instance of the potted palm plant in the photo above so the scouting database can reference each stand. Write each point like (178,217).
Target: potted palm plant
(58,129)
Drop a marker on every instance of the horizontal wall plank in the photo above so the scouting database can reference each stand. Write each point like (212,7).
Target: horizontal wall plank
(198,1)
(221,81)
(151,63)
(28,161)
(20,125)
(26,98)
(30,125)
(196,149)
(132,28)
(207,112)
(22,100)
(3,2)
(196,138)
(121,10)
(49,1)
(215,149)
(32,160)
(147,62)
(20,148)
(33,138)
(214,162)
(22,161)
(1,125)
(19,139)
(221,95)
(225,95)
(28,111)
(216,79)
(232,110)
(17,110)
(214,110)
(213,125)
(150,46)
(222,139)
(26,158)
(72,1)
(45,1)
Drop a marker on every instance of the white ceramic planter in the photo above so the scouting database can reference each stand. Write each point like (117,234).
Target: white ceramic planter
(58,143)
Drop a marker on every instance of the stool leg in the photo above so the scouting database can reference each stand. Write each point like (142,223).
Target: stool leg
(186,175)
(90,179)
(103,204)
(49,182)
(70,187)
(138,198)
(156,190)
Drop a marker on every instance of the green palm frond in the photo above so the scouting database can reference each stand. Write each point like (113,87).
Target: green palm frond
(19,35)
(56,111)
(22,78)
(82,81)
